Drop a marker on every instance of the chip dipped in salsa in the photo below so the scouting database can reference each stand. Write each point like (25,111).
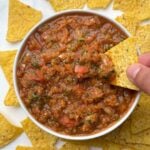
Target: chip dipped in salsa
(64,76)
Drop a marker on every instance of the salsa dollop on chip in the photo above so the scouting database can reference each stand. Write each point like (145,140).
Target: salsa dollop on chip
(64,76)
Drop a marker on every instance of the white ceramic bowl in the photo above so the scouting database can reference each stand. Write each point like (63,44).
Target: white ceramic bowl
(71,137)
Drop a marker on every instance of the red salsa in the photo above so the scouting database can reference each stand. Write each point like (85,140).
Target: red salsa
(64,76)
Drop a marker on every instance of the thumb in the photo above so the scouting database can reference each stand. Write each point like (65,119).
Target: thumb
(140,76)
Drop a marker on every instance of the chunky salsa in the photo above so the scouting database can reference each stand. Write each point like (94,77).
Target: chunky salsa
(64,76)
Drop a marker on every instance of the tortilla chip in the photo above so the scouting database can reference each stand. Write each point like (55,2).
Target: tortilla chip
(98,3)
(125,131)
(107,145)
(8,132)
(95,143)
(21,19)
(85,145)
(140,119)
(125,135)
(124,5)
(29,148)
(129,22)
(136,8)
(114,136)
(138,146)
(6,62)
(38,137)
(59,5)
(11,99)
(143,11)
(113,146)
(123,55)
(143,38)
(25,148)
(71,146)
(140,138)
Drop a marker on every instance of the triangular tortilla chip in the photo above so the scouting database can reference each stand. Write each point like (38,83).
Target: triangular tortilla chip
(98,3)
(6,62)
(140,119)
(136,8)
(143,38)
(125,136)
(140,138)
(8,132)
(129,22)
(20,20)
(38,137)
(59,5)
(123,55)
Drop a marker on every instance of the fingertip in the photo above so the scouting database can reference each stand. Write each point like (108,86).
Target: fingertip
(144,59)
(133,70)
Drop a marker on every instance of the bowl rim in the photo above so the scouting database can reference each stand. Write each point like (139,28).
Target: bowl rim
(48,130)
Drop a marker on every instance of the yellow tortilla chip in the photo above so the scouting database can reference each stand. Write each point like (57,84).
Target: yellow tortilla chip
(143,38)
(8,132)
(140,138)
(107,145)
(125,135)
(59,5)
(30,148)
(123,55)
(140,119)
(25,148)
(124,5)
(136,8)
(38,137)
(143,11)
(11,99)
(129,22)
(114,136)
(97,143)
(113,146)
(71,146)
(98,3)
(139,146)
(20,20)
(6,62)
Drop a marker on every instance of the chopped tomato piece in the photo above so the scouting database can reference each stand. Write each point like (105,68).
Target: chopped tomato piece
(81,69)
(66,121)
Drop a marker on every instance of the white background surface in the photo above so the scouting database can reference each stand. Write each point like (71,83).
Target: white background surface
(15,115)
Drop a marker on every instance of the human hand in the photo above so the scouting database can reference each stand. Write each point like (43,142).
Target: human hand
(139,73)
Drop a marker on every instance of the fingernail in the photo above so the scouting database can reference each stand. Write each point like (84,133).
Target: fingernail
(133,70)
